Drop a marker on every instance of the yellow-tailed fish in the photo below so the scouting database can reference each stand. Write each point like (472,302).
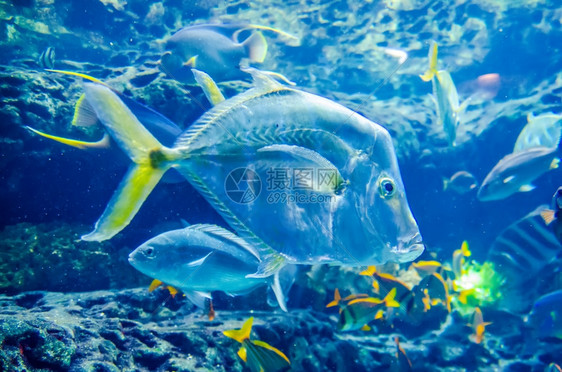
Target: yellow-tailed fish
(361,311)
(258,355)
(242,128)
(426,267)
(445,95)
(478,326)
(458,258)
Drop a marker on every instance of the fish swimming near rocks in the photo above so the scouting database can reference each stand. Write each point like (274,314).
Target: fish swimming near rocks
(47,58)
(214,49)
(543,130)
(259,356)
(445,96)
(351,210)
(516,171)
(553,217)
(200,259)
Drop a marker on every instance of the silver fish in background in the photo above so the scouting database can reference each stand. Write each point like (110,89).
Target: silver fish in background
(516,172)
(201,259)
(544,130)
(214,49)
(445,96)
(47,58)
(461,182)
(363,217)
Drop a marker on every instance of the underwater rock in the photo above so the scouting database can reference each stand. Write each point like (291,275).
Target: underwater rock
(50,257)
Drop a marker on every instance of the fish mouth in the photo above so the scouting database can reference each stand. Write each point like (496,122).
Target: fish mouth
(409,250)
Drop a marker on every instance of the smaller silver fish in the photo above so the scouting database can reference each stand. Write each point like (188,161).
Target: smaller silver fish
(204,258)
(461,182)
(47,58)
(516,171)
(445,96)
(543,130)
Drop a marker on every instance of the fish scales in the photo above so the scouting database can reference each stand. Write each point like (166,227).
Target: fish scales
(255,119)
(349,208)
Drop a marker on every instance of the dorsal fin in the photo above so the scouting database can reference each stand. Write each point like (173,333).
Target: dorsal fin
(224,234)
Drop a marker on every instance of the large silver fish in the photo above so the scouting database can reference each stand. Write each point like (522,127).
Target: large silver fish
(516,171)
(201,259)
(352,212)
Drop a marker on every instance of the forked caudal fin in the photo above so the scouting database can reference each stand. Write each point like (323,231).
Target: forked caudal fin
(150,160)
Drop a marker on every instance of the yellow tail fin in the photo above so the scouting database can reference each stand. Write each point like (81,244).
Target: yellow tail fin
(150,158)
(241,334)
(432,63)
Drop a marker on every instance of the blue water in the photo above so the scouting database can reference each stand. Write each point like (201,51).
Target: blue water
(341,57)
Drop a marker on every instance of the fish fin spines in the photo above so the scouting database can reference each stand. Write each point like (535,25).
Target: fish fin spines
(84,114)
(241,334)
(548,216)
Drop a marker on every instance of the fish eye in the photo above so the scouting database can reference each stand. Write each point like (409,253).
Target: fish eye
(149,252)
(387,188)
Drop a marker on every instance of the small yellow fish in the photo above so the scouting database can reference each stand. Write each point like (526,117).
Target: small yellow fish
(478,325)
(458,258)
(259,356)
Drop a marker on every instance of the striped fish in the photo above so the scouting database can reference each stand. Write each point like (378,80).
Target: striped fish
(524,248)
(47,58)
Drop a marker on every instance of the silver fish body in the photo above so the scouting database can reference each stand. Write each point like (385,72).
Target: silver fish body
(364,224)
(356,214)
(202,258)
(516,171)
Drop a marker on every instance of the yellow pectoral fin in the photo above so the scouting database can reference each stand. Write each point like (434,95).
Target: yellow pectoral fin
(155,284)
(83,145)
(192,62)
(210,88)
(127,200)
(243,354)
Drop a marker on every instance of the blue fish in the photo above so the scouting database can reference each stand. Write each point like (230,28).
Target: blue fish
(545,319)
